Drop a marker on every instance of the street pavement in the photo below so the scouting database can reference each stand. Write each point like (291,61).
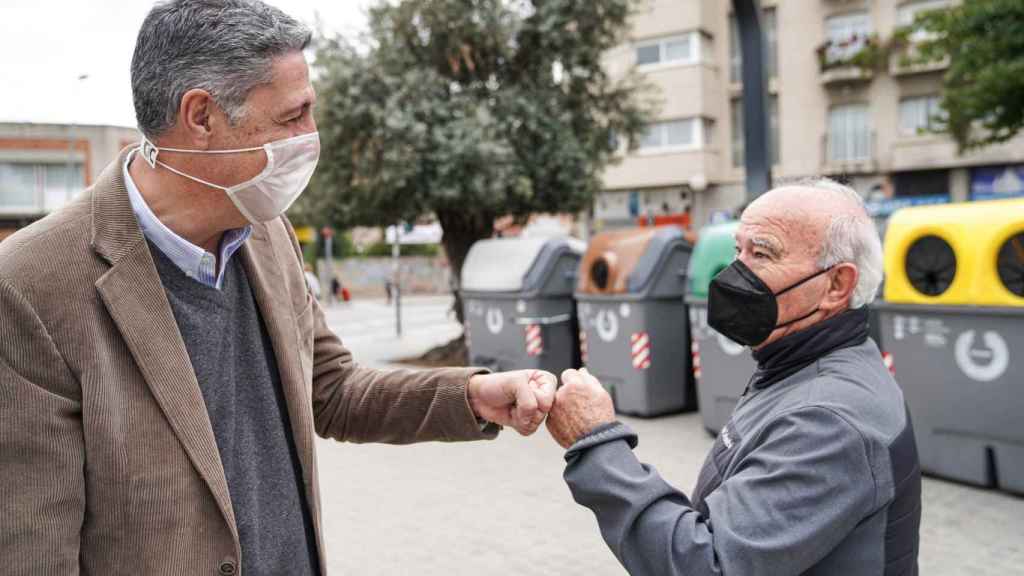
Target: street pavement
(501,507)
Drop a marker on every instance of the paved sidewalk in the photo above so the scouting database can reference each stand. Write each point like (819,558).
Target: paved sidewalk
(501,507)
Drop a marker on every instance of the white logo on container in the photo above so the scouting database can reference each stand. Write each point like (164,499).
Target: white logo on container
(607,325)
(995,357)
(495,320)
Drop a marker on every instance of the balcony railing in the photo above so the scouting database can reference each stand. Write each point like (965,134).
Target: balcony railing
(905,55)
(855,58)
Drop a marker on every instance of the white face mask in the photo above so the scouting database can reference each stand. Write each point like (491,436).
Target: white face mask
(290,164)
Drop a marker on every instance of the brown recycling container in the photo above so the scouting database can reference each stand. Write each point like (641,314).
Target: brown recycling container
(633,323)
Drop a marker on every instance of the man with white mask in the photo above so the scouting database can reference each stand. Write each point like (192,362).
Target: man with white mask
(163,367)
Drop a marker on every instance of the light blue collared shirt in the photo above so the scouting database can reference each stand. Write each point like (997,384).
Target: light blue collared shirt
(195,262)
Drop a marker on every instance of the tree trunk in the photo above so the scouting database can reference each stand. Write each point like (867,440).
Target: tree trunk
(461,230)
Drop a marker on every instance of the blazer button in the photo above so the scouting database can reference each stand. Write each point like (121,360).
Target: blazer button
(227,568)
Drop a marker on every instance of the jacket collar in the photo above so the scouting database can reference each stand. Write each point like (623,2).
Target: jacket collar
(115,230)
(787,356)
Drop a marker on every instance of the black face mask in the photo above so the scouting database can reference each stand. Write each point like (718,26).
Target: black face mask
(744,309)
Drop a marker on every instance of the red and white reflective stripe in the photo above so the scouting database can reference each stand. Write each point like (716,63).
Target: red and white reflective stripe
(583,346)
(641,345)
(695,352)
(534,340)
(887,360)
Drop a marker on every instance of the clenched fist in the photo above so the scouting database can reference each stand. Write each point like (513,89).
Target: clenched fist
(581,405)
(520,399)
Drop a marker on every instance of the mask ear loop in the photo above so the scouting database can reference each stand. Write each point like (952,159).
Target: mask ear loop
(798,284)
(805,280)
(150,153)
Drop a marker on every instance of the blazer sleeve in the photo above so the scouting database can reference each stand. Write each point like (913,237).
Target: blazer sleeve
(354,403)
(42,453)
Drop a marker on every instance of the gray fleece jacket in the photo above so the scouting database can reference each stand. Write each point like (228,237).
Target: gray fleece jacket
(816,473)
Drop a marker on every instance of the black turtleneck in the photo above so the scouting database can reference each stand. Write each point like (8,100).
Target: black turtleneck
(787,356)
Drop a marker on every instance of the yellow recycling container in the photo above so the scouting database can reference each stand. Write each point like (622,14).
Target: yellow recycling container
(957,254)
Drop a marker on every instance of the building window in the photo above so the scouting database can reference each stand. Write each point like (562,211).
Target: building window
(906,14)
(684,49)
(847,35)
(919,115)
(27,188)
(921,183)
(849,133)
(686,134)
(768,23)
(738,140)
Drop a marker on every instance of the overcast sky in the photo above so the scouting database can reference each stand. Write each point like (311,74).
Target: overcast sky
(45,45)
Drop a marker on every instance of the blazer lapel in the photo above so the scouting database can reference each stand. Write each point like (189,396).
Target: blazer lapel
(266,277)
(134,296)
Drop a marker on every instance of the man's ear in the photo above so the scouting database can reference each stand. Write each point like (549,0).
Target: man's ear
(194,116)
(842,282)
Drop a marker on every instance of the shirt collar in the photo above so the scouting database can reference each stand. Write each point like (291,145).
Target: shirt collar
(194,261)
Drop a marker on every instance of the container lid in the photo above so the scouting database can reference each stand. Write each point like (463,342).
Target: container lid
(967,253)
(715,250)
(626,261)
(505,264)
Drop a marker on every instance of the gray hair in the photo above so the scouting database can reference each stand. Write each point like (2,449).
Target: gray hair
(225,47)
(852,238)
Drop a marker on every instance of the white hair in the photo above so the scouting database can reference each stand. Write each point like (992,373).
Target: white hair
(852,238)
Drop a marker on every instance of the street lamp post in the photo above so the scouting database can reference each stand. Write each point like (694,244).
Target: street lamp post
(757,144)
(71,141)
(396,271)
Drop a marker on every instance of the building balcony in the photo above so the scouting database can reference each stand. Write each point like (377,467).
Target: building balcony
(936,150)
(906,60)
(849,153)
(848,61)
(642,169)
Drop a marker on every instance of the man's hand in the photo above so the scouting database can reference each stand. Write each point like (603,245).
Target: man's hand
(519,399)
(581,405)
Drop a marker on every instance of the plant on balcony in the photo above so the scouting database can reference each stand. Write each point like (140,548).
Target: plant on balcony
(907,49)
(868,57)
(983,89)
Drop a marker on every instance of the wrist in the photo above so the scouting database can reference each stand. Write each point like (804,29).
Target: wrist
(473,393)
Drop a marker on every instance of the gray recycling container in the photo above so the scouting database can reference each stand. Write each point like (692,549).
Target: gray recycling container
(517,300)
(951,324)
(633,324)
(962,375)
(721,368)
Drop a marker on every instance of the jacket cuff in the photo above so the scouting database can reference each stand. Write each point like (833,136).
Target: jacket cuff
(482,429)
(603,434)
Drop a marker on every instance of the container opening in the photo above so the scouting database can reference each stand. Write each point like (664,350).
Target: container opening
(931,265)
(1010,264)
(600,273)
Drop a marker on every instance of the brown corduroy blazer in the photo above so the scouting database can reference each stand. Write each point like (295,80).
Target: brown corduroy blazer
(108,462)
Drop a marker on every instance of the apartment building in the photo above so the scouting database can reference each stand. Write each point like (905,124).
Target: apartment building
(836,109)
(43,166)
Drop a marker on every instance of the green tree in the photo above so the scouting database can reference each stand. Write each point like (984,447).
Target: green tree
(470,110)
(983,100)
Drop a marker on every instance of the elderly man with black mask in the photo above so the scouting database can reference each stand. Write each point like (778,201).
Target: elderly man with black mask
(817,471)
